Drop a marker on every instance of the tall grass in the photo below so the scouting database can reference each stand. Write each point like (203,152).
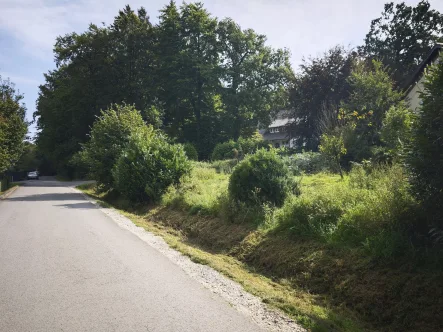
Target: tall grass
(371,210)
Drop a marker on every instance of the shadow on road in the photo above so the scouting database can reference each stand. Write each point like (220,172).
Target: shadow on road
(85,205)
(46,197)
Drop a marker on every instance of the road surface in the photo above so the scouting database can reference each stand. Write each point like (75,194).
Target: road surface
(65,266)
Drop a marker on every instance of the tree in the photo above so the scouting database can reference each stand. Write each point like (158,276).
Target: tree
(101,66)
(333,147)
(255,78)
(373,94)
(28,160)
(109,135)
(13,127)
(321,85)
(402,37)
(396,131)
(148,165)
(426,153)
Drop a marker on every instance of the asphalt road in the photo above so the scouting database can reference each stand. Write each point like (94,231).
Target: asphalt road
(65,266)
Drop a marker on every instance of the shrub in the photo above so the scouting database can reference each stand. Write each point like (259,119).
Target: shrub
(426,156)
(109,135)
(191,151)
(225,166)
(261,178)
(148,165)
(310,162)
(374,211)
(332,146)
(226,150)
(252,144)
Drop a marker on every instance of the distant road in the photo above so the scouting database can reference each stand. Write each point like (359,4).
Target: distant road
(64,266)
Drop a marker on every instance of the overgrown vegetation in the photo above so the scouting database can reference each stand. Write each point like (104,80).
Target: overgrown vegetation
(366,245)
(262,178)
(333,251)
(13,127)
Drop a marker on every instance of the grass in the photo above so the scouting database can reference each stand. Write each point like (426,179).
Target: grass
(12,185)
(175,227)
(307,258)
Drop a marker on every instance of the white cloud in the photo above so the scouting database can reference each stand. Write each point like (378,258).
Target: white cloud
(304,26)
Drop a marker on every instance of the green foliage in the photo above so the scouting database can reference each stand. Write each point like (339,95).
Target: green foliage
(252,144)
(224,166)
(332,146)
(13,127)
(261,178)
(373,94)
(320,87)
(310,162)
(148,165)
(426,154)
(201,192)
(96,68)
(172,72)
(255,76)
(402,37)
(109,135)
(191,151)
(226,150)
(396,129)
(235,150)
(373,211)
(28,160)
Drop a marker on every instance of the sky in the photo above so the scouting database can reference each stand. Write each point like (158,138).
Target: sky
(28,28)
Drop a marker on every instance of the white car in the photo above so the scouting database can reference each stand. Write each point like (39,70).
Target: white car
(32,175)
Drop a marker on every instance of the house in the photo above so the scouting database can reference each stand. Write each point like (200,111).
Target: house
(277,132)
(414,86)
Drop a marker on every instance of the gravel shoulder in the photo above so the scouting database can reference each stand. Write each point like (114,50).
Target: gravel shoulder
(246,303)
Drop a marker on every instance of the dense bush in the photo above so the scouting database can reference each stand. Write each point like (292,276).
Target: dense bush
(191,151)
(426,156)
(252,144)
(310,162)
(226,150)
(109,135)
(148,166)
(373,210)
(232,149)
(262,178)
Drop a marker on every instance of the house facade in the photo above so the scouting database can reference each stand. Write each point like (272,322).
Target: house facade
(415,85)
(277,132)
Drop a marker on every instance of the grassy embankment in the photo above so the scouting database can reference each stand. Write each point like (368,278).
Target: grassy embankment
(332,258)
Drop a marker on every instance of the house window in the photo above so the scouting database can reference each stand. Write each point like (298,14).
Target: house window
(276,130)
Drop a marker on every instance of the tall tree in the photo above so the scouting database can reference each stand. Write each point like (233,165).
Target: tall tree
(168,74)
(372,95)
(320,85)
(426,155)
(101,66)
(254,78)
(402,36)
(200,75)
(13,127)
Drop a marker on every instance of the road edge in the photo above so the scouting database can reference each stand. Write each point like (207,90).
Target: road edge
(8,192)
(230,291)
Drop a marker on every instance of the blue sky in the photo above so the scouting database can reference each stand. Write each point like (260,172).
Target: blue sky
(28,28)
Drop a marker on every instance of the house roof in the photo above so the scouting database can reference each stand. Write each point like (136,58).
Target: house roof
(432,55)
(280,122)
(282,119)
(275,136)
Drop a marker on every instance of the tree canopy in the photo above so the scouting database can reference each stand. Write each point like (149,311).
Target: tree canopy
(402,36)
(13,126)
(200,80)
